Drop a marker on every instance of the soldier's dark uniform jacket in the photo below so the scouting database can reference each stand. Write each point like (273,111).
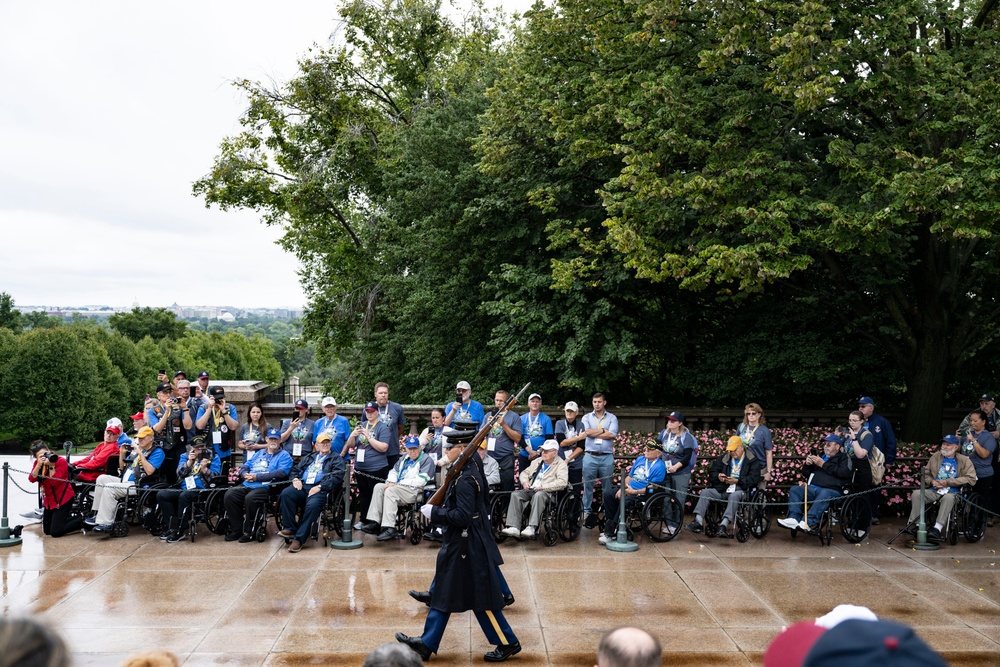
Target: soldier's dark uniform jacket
(467,563)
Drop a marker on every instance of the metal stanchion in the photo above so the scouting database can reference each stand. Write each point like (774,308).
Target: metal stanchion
(6,539)
(921,542)
(347,540)
(621,542)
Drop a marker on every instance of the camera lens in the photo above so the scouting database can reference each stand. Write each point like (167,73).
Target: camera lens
(52,458)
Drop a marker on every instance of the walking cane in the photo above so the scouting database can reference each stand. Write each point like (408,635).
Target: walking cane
(805,499)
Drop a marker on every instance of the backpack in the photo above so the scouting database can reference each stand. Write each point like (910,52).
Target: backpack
(877,460)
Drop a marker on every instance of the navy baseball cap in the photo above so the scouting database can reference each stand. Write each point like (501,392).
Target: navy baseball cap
(371,405)
(204,374)
(833,437)
(987,397)
(866,400)
(411,441)
(302,403)
(951,439)
(273,433)
(181,373)
(676,416)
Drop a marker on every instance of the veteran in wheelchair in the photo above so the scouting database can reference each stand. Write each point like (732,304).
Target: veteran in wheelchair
(140,464)
(731,478)
(403,490)
(647,473)
(317,474)
(946,473)
(245,502)
(541,481)
(826,474)
(194,475)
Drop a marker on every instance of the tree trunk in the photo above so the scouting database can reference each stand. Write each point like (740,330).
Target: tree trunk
(925,393)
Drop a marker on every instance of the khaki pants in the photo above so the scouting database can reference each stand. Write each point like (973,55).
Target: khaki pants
(387,499)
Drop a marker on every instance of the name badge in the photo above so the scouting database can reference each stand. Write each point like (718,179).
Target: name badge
(360,457)
(216,437)
(189,483)
(943,492)
(296,449)
(730,488)
(434,457)
(491,444)
(177,429)
(311,478)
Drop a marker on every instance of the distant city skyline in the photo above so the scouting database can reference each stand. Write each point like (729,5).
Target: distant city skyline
(184,312)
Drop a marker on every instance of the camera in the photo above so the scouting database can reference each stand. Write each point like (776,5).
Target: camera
(163,371)
(52,457)
(458,397)
(205,455)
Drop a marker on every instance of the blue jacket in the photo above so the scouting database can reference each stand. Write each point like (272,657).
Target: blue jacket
(885,439)
(269,467)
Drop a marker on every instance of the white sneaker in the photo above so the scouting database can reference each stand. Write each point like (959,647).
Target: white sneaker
(512,532)
(603,539)
(528,532)
(789,522)
(803,525)
(668,530)
(34,514)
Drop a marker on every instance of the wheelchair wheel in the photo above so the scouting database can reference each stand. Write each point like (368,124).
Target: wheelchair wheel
(498,516)
(119,529)
(661,517)
(568,517)
(855,519)
(550,536)
(825,528)
(742,529)
(760,515)
(215,512)
(975,518)
(954,527)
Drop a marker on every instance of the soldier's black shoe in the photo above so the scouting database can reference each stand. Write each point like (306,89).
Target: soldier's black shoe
(425,597)
(508,599)
(417,645)
(387,534)
(501,652)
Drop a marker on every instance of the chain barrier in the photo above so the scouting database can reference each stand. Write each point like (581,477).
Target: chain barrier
(662,487)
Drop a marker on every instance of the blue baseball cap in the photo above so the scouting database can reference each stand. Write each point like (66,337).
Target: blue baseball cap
(302,403)
(866,400)
(833,437)
(411,441)
(273,433)
(951,439)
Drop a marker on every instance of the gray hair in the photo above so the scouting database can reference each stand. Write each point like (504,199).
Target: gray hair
(393,655)
(25,642)
(629,647)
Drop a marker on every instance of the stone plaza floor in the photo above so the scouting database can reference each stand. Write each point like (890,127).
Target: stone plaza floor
(710,601)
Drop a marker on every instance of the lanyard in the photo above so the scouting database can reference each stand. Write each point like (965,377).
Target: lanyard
(317,463)
(217,417)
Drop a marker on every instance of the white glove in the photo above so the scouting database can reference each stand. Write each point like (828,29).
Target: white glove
(426,511)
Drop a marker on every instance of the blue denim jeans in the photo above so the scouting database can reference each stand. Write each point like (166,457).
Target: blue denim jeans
(819,498)
(594,468)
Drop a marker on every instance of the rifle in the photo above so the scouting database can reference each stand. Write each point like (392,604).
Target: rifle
(472,448)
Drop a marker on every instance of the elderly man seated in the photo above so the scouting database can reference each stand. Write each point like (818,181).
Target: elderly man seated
(731,477)
(244,501)
(193,475)
(139,465)
(646,471)
(403,486)
(947,471)
(825,475)
(317,474)
(547,475)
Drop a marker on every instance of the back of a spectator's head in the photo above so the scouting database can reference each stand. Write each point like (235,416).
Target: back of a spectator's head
(24,642)
(152,659)
(629,647)
(393,655)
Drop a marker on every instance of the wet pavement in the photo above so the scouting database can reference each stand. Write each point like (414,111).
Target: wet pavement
(711,602)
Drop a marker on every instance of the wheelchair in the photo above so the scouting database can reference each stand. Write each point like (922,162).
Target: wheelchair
(559,521)
(209,509)
(138,508)
(753,517)
(852,513)
(408,516)
(968,517)
(658,515)
(329,523)
(270,509)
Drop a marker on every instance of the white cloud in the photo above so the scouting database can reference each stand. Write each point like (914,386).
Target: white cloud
(110,110)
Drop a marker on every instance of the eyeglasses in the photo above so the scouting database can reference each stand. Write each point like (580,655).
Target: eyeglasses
(751,412)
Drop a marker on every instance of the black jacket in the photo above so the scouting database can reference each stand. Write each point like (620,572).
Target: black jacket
(749,475)
(333,470)
(834,474)
(466,574)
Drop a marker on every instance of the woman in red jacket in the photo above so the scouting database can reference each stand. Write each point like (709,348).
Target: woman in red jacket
(50,471)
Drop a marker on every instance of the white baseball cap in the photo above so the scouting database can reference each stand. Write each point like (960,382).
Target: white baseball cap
(114,421)
(550,444)
(571,405)
(463,385)
(329,400)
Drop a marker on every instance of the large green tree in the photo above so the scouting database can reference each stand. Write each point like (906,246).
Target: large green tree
(156,323)
(853,142)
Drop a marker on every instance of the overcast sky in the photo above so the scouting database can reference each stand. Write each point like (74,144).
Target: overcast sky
(108,112)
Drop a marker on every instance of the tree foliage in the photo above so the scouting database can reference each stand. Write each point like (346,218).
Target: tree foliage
(157,323)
